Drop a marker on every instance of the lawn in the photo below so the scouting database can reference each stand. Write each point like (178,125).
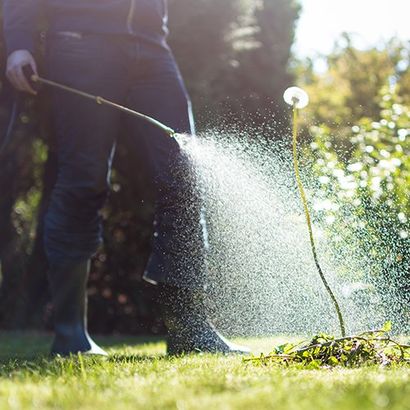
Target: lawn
(137,375)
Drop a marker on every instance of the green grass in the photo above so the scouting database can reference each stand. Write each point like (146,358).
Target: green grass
(137,375)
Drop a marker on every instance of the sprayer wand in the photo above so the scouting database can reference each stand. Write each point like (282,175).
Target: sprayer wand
(102,101)
(298,99)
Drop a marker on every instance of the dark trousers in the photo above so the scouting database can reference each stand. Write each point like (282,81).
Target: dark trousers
(145,77)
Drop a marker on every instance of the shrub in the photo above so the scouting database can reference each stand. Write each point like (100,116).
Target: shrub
(365,201)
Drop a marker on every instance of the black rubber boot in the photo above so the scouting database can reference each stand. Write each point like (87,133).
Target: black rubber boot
(69,291)
(189,329)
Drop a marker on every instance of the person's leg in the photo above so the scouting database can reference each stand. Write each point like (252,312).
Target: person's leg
(178,256)
(177,262)
(85,133)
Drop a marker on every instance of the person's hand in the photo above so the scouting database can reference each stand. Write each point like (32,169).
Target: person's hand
(15,64)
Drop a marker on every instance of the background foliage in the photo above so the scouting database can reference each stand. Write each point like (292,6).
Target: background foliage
(360,150)
(365,199)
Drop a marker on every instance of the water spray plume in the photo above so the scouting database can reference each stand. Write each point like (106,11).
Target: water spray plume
(299,99)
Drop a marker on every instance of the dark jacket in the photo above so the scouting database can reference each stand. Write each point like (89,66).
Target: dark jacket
(143,18)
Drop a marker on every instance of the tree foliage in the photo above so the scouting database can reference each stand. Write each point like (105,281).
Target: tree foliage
(236,56)
(349,88)
(367,198)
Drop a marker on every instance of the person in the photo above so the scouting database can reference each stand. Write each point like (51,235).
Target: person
(117,49)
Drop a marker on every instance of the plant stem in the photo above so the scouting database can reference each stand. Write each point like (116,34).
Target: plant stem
(309,222)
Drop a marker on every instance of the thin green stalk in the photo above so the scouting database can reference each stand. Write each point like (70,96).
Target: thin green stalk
(309,222)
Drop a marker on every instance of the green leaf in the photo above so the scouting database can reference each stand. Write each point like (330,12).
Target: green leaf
(387,326)
(333,361)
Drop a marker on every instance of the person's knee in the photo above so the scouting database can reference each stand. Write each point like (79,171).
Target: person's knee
(72,227)
(81,203)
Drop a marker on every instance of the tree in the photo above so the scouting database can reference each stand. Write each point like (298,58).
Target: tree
(200,37)
(262,73)
(349,88)
(235,55)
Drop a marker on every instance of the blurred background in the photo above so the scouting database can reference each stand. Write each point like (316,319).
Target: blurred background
(237,58)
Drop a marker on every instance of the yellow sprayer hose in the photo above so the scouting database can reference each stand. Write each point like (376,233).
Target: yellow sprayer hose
(102,101)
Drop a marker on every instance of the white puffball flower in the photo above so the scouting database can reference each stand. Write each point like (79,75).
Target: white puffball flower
(296,97)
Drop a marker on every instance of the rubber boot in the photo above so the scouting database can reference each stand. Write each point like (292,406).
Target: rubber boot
(69,291)
(189,329)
